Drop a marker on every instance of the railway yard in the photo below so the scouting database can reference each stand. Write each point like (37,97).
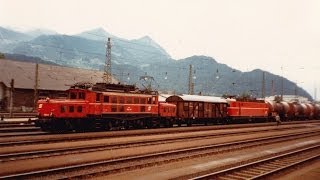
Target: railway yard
(239,151)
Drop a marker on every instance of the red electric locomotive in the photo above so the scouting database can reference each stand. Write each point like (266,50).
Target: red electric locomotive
(102,107)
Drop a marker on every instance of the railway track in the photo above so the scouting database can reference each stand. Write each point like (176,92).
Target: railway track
(46,138)
(266,168)
(102,147)
(85,170)
(17,126)
(20,129)
(22,134)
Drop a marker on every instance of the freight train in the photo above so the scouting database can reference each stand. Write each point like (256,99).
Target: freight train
(103,106)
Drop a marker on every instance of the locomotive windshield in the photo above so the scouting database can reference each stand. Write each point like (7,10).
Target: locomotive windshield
(77,95)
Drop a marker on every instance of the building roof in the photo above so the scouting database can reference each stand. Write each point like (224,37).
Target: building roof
(50,77)
(198,98)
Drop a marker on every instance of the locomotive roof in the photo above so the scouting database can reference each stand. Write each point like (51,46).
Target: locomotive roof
(198,98)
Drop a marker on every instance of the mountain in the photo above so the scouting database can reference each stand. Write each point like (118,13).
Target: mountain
(143,56)
(10,38)
(7,34)
(143,50)
(65,50)
(150,44)
(24,58)
(82,52)
(98,34)
(213,78)
(39,32)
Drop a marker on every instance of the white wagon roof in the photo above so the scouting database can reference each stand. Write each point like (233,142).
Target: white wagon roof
(211,99)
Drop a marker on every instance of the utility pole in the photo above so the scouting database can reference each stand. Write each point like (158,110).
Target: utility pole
(107,76)
(263,85)
(191,84)
(36,86)
(282,84)
(11,97)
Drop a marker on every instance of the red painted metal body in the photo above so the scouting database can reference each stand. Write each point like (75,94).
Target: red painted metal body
(247,109)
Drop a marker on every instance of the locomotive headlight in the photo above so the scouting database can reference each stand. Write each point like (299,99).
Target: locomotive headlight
(40,106)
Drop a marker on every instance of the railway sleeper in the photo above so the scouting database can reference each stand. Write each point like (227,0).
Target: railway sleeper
(242,174)
(251,172)
(231,176)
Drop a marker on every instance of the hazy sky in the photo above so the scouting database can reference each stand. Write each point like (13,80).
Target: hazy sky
(244,34)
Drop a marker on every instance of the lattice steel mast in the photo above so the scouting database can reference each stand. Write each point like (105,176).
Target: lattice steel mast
(107,75)
(191,84)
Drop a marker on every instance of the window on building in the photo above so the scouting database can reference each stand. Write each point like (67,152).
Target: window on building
(79,109)
(106,99)
(71,109)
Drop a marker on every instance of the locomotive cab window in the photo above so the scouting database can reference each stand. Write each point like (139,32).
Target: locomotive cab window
(149,100)
(73,95)
(98,97)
